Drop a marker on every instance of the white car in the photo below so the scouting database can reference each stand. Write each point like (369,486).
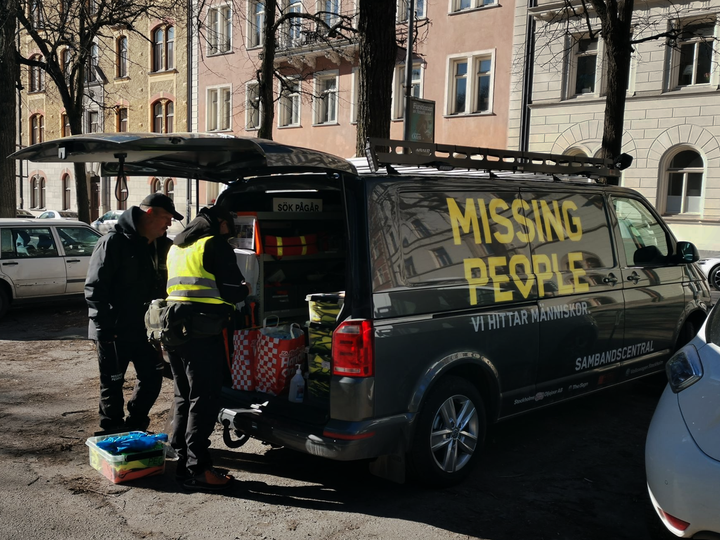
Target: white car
(43,260)
(682,451)
(105,223)
(58,214)
(711,269)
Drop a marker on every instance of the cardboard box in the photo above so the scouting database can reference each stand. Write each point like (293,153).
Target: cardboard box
(129,466)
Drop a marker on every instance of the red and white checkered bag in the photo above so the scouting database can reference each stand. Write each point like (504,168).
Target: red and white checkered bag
(242,369)
(279,350)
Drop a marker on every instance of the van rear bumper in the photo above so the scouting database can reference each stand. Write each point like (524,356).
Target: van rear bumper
(338,440)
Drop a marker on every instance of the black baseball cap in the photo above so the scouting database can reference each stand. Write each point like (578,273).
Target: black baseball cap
(158,200)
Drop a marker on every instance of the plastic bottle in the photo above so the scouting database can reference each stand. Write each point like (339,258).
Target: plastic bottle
(297,387)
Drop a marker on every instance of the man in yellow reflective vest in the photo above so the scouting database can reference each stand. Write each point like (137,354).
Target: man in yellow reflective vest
(206,282)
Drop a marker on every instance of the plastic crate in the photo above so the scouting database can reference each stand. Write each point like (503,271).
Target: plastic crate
(127,466)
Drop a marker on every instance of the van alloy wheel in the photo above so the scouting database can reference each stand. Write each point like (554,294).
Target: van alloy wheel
(450,433)
(714,278)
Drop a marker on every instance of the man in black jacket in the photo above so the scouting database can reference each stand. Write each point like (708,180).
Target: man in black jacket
(204,285)
(128,271)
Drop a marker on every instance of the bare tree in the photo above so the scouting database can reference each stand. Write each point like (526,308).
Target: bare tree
(67,33)
(621,28)
(10,75)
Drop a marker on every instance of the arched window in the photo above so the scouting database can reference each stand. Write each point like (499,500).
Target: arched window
(34,194)
(163,112)
(163,55)
(66,191)
(156,185)
(684,177)
(37,128)
(170,188)
(42,192)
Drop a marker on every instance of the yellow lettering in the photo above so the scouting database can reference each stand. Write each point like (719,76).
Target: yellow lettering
(520,206)
(562,288)
(574,257)
(538,220)
(497,279)
(484,220)
(503,238)
(523,287)
(467,221)
(574,232)
(475,282)
(552,220)
(541,275)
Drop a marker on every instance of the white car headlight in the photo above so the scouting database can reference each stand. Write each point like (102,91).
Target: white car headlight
(684,368)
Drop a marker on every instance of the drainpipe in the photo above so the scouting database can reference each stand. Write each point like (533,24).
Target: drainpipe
(409,69)
(527,80)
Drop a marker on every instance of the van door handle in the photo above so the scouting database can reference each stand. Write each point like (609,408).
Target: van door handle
(73,260)
(634,277)
(10,264)
(610,278)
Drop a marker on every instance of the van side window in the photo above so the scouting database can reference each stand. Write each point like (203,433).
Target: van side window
(8,246)
(77,240)
(571,241)
(644,240)
(34,243)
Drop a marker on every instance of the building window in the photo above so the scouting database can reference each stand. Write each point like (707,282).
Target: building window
(329,11)
(252,106)
(583,70)
(66,191)
(92,64)
(93,122)
(325,99)
(66,131)
(66,59)
(399,88)
(37,192)
(37,76)
(163,116)
(41,202)
(403,7)
(37,128)
(122,57)
(170,188)
(355,102)
(37,15)
(163,52)
(461,5)
(472,85)
(256,18)
(219,29)
(441,256)
(693,54)
(121,119)
(219,107)
(289,107)
(685,183)
(294,25)
(156,185)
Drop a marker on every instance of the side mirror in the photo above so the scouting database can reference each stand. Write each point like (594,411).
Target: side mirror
(686,252)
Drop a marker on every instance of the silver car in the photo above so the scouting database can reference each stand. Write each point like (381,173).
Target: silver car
(107,221)
(711,269)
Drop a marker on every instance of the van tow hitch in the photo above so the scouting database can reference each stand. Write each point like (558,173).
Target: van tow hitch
(227,417)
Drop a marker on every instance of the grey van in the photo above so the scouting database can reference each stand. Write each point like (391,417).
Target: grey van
(464,286)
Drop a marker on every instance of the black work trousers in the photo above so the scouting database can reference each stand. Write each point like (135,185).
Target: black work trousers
(114,358)
(197,368)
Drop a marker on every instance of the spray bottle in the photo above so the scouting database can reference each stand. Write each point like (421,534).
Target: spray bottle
(297,387)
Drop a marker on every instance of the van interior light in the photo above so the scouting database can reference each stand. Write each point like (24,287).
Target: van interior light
(291,191)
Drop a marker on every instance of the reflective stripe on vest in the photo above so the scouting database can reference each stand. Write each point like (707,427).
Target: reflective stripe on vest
(188,281)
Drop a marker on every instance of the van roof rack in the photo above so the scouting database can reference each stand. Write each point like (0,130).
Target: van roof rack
(446,157)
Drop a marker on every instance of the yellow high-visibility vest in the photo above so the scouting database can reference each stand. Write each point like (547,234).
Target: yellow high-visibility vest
(188,281)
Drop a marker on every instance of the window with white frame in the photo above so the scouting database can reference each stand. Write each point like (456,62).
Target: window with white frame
(92,122)
(252,106)
(219,107)
(326,98)
(256,20)
(289,107)
(93,61)
(37,75)
(398,107)
(329,11)
(121,57)
(294,25)
(219,29)
(37,128)
(163,116)
(163,49)
(403,7)
(685,183)
(584,66)
(121,120)
(471,84)
(693,54)
(461,5)
(355,101)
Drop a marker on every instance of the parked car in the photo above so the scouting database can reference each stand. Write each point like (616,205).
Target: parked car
(107,221)
(682,452)
(58,214)
(436,301)
(43,260)
(20,213)
(711,269)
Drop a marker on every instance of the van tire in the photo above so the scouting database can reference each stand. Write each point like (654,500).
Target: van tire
(4,301)
(714,278)
(446,401)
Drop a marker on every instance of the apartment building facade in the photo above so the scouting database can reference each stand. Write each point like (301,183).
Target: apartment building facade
(672,116)
(460,65)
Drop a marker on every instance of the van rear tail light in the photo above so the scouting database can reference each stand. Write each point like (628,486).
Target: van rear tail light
(684,368)
(352,349)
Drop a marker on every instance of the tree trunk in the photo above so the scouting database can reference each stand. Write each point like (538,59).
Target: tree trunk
(378,52)
(267,68)
(618,51)
(10,75)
